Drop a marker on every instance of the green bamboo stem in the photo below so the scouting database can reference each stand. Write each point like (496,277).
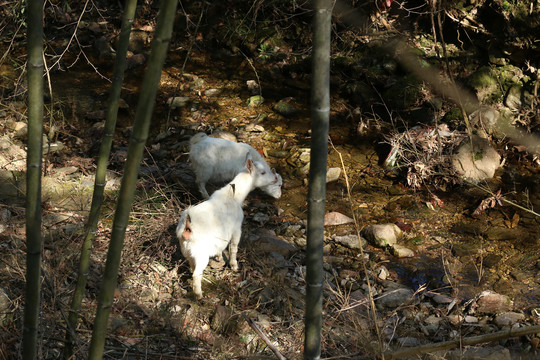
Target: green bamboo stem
(33,178)
(100,177)
(137,143)
(320,114)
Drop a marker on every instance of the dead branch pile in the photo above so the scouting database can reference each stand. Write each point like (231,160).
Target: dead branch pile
(423,154)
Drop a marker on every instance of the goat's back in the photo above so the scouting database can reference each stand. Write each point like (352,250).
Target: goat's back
(219,159)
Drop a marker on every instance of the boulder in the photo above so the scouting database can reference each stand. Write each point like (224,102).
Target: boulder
(508,318)
(382,235)
(492,303)
(476,162)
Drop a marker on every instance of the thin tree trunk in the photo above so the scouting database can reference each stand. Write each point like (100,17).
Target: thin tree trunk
(33,178)
(320,111)
(141,125)
(100,179)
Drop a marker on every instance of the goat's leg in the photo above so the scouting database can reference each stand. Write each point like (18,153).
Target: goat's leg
(233,249)
(200,265)
(202,189)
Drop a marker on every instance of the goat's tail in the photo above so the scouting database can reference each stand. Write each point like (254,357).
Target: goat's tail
(197,138)
(183,229)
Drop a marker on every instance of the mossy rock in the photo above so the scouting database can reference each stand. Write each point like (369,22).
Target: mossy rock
(404,93)
(454,118)
(484,82)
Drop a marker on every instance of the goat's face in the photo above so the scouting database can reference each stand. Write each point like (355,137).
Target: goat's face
(263,175)
(274,188)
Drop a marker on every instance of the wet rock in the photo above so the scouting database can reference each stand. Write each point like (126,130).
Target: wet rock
(255,101)
(382,235)
(471,319)
(492,303)
(332,174)
(508,318)
(517,98)
(177,101)
(408,341)
(335,218)
(350,241)
(266,242)
(478,162)
(401,251)
(394,298)
(135,60)
(286,108)
(260,218)
(442,299)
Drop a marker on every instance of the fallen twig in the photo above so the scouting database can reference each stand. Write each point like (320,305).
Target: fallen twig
(468,341)
(264,337)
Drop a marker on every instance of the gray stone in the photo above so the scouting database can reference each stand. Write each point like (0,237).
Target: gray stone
(394,298)
(266,242)
(382,235)
(493,303)
(332,174)
(335,218)
(177,101)
(513,98)
(350,241)
(408,341)
(285,107)
(508,318)
(478,162)
(442,299)
(212,92)
(401,251)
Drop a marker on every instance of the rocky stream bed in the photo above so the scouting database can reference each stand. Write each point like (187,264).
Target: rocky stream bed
(444,262)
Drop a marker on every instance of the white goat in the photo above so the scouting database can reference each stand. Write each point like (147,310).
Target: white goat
(205,230)
(220,160)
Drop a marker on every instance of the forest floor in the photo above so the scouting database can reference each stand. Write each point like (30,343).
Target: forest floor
(439,294)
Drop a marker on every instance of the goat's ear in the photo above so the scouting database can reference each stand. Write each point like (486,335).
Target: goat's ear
(273,171)
(249,165)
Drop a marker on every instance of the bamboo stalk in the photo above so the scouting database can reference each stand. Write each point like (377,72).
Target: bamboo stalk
(100,181)
(136,147)
(33,178)
(320,120)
